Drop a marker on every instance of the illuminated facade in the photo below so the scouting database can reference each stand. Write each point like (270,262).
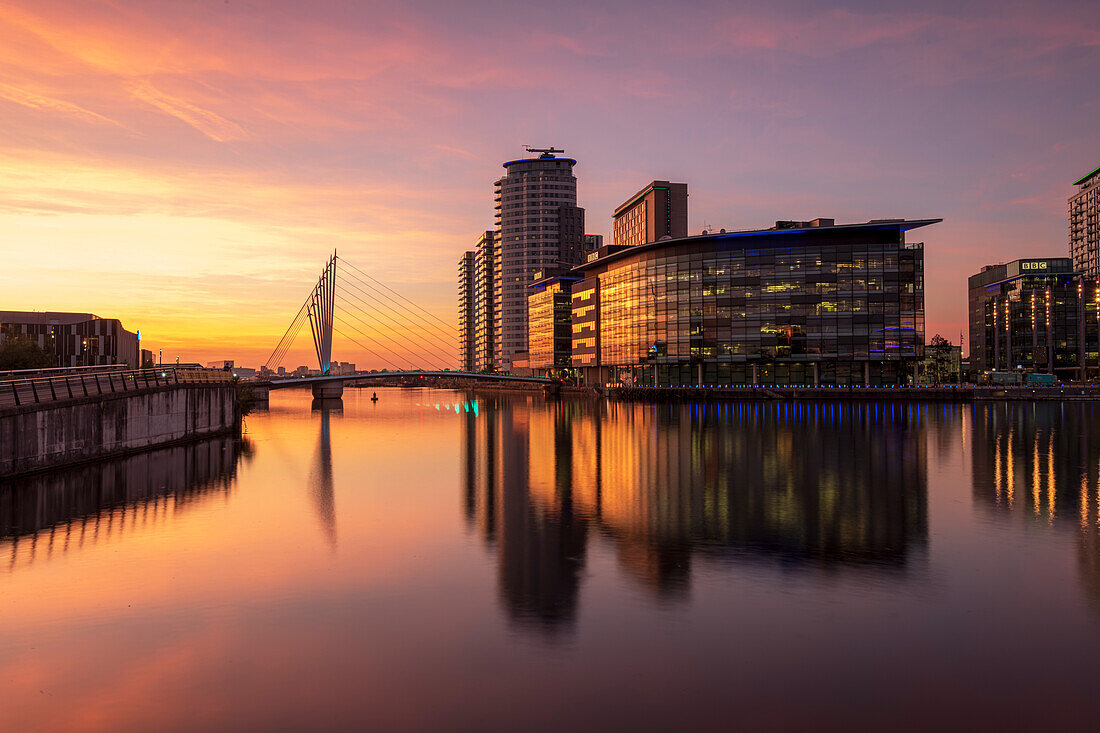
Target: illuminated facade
(75,339)
(539,227)
(549,333)
(802,303)
(1034,315)
(658,210)
(1084,225)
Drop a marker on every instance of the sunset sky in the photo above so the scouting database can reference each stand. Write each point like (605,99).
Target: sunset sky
(189,166)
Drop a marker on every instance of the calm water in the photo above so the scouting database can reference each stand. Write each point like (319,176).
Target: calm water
(448,561)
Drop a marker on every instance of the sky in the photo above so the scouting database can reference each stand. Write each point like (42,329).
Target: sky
(188,167)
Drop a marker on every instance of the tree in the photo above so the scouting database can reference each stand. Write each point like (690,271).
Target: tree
(20,352)
(938,361)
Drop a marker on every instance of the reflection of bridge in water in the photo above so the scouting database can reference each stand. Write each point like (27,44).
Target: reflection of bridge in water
(826,488)
(52,513)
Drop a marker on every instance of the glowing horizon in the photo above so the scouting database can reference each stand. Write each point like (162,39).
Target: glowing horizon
(188,167)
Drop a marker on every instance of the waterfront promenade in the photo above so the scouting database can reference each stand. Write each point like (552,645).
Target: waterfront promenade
(891,393)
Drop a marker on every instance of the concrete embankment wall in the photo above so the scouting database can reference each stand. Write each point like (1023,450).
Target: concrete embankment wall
(49,435)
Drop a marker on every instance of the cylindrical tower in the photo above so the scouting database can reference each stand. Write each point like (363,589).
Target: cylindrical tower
(539,227)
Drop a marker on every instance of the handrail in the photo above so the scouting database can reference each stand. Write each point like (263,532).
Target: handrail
(57,371)
(17,392)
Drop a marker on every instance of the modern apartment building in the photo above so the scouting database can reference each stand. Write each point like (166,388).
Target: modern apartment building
(75,339)
(483,302)
(806,302)
(475,305)
(658,210)
(539,227)
(467,316)
(1084,225)
(1034,315)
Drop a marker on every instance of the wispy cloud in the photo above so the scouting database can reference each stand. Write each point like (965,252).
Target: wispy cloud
(209,123)
(48,104)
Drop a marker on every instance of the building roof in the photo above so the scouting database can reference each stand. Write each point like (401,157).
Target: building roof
(899,225)
(1084,178)
(654,186)
(537,160)
(45,317)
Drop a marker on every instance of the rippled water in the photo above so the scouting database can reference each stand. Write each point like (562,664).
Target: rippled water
(455,561)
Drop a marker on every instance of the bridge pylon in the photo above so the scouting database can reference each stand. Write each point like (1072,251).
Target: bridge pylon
(321,302)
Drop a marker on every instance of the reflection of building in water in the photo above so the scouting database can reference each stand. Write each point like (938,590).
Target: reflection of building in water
(519,495)
(830,485)
(818,485)
(1040,460)
(64,510)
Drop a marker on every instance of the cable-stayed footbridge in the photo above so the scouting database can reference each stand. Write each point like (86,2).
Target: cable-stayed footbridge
(372,319)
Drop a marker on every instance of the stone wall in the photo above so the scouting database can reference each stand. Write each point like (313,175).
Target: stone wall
(52,434)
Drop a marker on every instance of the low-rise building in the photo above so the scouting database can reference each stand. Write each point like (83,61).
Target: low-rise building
(808,302)
(75,339)
(549,330)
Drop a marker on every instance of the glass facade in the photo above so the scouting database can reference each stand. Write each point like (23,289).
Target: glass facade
(1035,315)
(828,305)
(549,336)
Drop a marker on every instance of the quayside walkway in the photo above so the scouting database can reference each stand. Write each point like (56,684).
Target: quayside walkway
(917,393)
(34,387)
(63,417)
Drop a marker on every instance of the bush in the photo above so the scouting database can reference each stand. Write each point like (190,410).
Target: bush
(20,352)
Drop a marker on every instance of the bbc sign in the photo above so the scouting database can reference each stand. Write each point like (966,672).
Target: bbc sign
(1040,265)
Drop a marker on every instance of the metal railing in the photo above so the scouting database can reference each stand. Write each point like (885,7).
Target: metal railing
(59,371)
(35,390)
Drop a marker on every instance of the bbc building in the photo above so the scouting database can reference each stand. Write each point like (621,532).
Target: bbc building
(1034,315)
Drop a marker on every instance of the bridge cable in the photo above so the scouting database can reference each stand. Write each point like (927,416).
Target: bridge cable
(288,337)
(405,313)
(414,362)
(348,312)
(387,348)
(413,318)
(419,343)
(446,325)
(416,319)
(368,350)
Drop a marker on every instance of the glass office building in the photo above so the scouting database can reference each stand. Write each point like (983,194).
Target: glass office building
(1036,315)
(549,339)
(801,303)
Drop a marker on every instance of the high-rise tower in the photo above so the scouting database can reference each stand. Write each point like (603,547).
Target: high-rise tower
(467,313)
(539,228)
(1084,225)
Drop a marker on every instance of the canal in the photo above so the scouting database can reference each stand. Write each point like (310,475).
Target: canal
(456,561)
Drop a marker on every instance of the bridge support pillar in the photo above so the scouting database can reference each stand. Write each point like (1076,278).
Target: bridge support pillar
(261,393)
(328,390)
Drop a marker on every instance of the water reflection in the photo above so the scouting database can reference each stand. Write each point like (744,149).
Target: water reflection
(57,511)
(1039,461)
(320,479)
(818,487)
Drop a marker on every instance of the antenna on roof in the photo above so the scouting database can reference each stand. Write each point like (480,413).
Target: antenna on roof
(546,152)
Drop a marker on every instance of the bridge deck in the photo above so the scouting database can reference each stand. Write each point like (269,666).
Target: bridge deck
(360,376)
